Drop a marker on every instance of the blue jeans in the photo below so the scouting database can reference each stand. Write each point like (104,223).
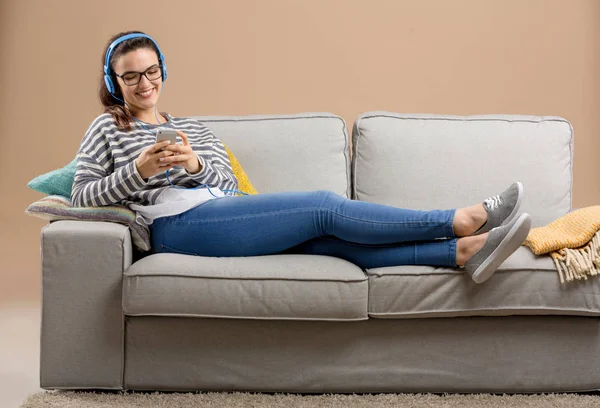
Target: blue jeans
(318,222)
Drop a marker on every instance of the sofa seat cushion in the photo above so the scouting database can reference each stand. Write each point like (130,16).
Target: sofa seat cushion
(295,287)
(523,285)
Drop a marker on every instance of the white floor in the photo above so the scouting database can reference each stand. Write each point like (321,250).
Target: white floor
(19,352)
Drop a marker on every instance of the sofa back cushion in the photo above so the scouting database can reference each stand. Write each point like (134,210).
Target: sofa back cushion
(437,162)
(300,152)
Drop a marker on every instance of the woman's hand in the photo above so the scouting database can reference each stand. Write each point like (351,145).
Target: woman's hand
(149,161)
(183,155)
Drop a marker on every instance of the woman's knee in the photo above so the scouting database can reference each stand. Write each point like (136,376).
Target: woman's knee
(329,200)
(326,194)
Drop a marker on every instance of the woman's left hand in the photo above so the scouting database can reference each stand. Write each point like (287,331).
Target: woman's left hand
(183,155)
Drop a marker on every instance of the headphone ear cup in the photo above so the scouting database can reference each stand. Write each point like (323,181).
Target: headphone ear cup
(164,71)
(109,84)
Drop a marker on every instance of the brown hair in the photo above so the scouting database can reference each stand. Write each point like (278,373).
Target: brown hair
(112,105)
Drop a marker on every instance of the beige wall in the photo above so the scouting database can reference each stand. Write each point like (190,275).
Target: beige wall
(538,57)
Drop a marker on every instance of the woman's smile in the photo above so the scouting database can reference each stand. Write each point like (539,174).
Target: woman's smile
(148,93)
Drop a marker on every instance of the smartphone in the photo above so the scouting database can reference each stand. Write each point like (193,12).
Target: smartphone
(166,134)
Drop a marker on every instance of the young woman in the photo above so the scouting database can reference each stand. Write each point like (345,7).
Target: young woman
(185,192)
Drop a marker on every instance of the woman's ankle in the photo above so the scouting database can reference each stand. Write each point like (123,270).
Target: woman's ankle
(466,247)
(467,220)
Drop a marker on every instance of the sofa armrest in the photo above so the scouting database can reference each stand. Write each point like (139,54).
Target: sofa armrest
(82,316)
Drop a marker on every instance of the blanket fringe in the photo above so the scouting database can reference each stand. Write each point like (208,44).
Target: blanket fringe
(578,263)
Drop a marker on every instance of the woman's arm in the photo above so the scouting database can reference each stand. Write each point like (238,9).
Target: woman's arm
(95,183)
(93,187)
(215,167)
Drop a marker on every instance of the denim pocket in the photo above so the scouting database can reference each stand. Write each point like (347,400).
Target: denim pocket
(167,249)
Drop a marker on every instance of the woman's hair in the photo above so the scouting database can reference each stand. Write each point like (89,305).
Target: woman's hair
(111,105)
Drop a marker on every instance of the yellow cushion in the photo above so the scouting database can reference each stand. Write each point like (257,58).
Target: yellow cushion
(244,183)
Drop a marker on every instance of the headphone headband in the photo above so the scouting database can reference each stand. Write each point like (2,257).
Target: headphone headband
(107,74)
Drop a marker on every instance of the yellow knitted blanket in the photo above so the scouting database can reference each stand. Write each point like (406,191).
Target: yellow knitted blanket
(573,242)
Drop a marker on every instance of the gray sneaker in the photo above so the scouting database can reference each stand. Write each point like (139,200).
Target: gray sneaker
(501,209)
(499,245)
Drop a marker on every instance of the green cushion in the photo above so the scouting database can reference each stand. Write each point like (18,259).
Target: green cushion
(57,182)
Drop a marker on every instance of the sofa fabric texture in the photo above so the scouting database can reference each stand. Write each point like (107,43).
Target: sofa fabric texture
(523,285)
(82,329)
(301,152)
(280,287)
(462,354)
(117,319)
(441,161)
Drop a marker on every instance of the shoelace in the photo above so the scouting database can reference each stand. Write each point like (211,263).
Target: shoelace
(493,202)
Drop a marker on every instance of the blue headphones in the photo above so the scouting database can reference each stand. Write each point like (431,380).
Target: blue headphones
(107,77)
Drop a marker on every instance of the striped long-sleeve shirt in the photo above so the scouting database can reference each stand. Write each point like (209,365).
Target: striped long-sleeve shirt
(106,173)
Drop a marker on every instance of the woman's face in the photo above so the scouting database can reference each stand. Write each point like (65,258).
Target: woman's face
(144,95)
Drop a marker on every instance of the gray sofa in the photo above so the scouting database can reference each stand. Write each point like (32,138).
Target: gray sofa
(116,319)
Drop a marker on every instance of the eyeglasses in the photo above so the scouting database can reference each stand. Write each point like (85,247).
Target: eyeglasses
(131,78)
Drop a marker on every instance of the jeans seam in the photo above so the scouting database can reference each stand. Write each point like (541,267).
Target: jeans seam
(178,251)
(384,246)
(199,221)
(452,252)
(381,222)
(196,221)
(300,210)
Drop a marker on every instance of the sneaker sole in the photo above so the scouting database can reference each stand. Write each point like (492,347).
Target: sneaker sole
(511,242)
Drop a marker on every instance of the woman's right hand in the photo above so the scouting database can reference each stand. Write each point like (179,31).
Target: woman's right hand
(148,163)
